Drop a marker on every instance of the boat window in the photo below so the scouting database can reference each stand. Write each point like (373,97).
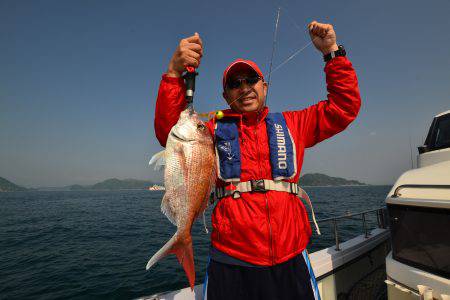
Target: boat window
(443,133)
(440,135)
(420,237)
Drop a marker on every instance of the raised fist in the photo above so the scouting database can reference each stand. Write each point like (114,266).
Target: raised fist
(188,53)
(323,37)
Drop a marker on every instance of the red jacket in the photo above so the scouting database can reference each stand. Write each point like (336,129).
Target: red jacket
(268,228)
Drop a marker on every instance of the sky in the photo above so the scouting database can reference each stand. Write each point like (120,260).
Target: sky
(79,79)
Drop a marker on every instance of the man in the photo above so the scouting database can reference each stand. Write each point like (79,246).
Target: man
(260,227)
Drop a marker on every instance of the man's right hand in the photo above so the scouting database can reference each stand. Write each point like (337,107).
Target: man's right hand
(189,53)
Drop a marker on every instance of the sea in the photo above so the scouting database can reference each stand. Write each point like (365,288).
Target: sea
(95,244)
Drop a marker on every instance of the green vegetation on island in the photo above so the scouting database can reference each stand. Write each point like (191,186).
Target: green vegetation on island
(115,184)
(8,186)
(317,179)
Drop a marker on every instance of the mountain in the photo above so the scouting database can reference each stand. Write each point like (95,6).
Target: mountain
(317,179)
(115,184)
(112,184)
(8,186)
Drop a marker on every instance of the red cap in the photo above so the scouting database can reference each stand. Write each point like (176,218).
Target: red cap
(240,64)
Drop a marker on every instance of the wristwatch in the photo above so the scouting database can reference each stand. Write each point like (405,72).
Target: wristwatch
(339,52)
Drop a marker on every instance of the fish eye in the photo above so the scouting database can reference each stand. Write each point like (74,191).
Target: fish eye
(201,126)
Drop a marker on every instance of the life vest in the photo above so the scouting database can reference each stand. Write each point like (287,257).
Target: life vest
(282,160)
(281,148)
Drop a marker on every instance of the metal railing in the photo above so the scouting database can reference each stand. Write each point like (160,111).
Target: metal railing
(420,186)
(381,221)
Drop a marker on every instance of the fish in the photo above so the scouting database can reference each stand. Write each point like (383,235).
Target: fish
(189,177)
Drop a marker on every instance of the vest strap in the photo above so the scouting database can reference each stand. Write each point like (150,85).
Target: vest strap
(262,186)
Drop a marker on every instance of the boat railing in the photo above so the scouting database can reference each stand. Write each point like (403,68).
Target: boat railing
(420,186)
(381,221)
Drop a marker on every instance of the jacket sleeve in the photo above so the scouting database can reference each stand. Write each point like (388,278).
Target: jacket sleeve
(329,117)
(169,105)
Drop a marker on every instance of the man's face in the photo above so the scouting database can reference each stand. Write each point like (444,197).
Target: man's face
(246,97)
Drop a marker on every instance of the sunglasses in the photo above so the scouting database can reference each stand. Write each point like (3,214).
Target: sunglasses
(236,83)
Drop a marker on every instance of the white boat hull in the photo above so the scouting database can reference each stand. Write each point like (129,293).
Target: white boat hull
(338,272)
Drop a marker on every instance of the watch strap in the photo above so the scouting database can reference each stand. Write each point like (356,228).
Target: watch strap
(333,54)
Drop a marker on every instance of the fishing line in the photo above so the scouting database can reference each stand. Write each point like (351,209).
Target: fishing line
(219,113)
(292,20)
(293,55)
(275,33)
(238,98)
(278,67)
(301,30)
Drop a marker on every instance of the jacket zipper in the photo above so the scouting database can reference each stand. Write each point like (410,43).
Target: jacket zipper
(265,196)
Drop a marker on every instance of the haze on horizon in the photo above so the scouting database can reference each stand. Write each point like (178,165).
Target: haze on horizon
(78,81)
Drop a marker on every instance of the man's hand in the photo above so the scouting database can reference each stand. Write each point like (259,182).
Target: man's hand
(189,53)
(323,37)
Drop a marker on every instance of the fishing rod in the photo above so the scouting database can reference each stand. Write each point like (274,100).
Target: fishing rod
(300,29)
(274,43)
(219,114)
(189,79)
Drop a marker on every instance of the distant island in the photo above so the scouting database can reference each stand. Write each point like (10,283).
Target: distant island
(317,179)
(8,186)
(115,184)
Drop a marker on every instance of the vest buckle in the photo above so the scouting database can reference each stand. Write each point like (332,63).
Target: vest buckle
(258,186)
(236,194)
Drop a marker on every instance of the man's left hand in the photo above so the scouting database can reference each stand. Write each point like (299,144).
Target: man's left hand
(323,37)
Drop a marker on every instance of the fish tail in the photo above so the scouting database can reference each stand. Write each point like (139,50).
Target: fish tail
(181,246)
(185,256)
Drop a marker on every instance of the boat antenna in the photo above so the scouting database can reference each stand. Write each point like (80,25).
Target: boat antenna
(411,152)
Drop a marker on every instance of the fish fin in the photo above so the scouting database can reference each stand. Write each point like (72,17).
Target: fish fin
(163,252)
(167,210)
(182,248)
(159,160)
(182,161)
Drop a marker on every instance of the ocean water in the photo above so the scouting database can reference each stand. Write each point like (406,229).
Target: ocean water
(95,244)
